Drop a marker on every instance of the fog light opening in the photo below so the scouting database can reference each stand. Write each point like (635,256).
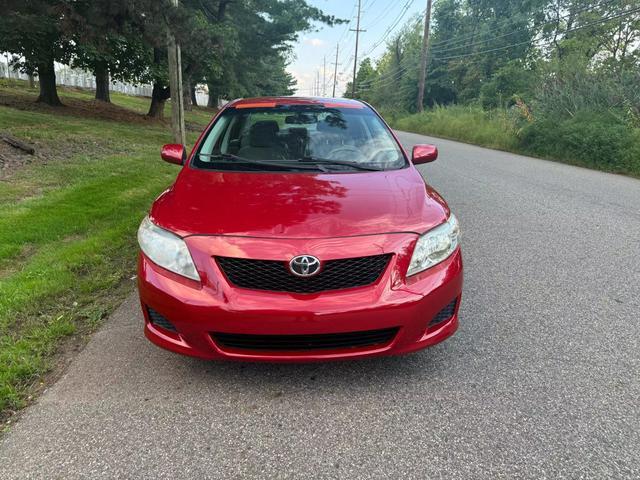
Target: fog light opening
(445,314)
(158,320)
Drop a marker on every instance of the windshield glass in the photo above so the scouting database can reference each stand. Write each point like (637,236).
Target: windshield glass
(299,138)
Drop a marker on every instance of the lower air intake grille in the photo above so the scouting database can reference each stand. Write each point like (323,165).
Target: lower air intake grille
(159,321)
(306,342)
(275,276)
(445,314)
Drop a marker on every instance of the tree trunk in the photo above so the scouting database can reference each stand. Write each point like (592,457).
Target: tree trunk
(48,91)
(213,96)
(194,99)
(159,96)
(186,95)
(101,73)
(32,81)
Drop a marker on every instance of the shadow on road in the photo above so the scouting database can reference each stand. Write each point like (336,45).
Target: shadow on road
(357,374)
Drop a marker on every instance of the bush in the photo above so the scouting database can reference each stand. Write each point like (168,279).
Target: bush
(391,116)
(511,81)
(593,139)
(494,129)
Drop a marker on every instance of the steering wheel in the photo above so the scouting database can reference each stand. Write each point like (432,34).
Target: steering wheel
(385,156)
(345,152)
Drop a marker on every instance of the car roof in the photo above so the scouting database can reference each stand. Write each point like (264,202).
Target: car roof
(257,102)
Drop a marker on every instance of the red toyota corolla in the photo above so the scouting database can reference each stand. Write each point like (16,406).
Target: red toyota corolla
(298,230)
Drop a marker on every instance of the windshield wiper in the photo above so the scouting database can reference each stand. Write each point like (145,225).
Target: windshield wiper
(269,163)
(329,162)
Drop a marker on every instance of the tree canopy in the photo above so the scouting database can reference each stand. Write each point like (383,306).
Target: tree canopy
(236,47)
(500,52)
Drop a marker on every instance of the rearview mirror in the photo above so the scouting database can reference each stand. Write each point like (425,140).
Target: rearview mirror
(301,119)
(424,154)
(174,153)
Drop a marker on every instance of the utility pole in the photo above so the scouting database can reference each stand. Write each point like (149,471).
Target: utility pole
(355,59)
(324,76)
(335,71)
(318,83)
(175,84)
(6,55)
(425,57)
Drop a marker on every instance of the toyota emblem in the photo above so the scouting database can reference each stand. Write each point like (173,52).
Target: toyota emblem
(304,266)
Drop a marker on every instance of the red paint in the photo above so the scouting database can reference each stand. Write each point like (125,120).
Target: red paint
(276,216)
(424,154)
(295,205)
(343,105)
(270,102)
(256,105)
(174,153)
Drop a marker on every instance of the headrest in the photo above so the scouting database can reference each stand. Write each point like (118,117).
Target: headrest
(299,132)
(263,133)
(331,124)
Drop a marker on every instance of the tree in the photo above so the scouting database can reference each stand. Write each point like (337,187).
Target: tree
(201,49)
(512,82)
(123,40)
(251,45)
(157,20)
(31,31)
(108,39)
(238,47)
(366,79)
(470,41)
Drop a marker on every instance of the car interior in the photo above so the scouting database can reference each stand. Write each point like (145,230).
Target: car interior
(323,135)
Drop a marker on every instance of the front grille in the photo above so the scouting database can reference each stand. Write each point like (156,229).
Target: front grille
(159,321)
(305,342)
(275,276)
(445,314)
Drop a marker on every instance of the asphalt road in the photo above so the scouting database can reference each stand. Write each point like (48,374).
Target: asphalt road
(541,381)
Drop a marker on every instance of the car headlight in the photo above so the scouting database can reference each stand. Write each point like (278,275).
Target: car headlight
(435,246)
(166,249)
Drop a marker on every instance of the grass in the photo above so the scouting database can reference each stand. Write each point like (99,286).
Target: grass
(141,105)
(67,228)
(465,123)
(597,140)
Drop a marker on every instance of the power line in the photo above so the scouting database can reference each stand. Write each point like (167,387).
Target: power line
(384,13)
(440,51)
(392,76)
(449,42)
(388,80)
(425,56)
(388,31)
(335,71)
(324,76)
(355,59)
(346,31)
(479,42)
(548,42)
(393,25)
(348,62)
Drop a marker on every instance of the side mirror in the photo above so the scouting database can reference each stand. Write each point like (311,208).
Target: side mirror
(424,154)
(174,153)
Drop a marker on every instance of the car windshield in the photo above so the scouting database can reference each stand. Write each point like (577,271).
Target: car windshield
(299,138)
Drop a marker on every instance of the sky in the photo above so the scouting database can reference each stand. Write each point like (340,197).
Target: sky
(377,17)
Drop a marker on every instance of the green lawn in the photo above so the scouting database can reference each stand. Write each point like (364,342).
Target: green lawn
(598,140)
(467,124)
(67,228)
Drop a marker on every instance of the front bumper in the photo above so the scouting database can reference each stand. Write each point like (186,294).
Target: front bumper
(198,309)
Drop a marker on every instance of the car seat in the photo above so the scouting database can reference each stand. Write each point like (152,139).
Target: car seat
(263,142)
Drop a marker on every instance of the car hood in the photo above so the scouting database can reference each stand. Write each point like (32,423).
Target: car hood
(298,205)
